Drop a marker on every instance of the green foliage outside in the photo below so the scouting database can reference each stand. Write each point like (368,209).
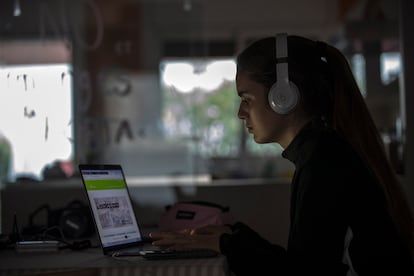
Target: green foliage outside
(213,125)
(209,119)
(4,161)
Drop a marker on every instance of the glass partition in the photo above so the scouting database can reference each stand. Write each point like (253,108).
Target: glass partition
(149,84)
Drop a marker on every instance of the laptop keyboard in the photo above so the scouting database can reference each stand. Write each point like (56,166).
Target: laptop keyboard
(178,254)
(164,254)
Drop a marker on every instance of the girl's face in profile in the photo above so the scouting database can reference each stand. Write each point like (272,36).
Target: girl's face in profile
(260,120)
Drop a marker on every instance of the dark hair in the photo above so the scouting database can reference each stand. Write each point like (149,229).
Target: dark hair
(329,92)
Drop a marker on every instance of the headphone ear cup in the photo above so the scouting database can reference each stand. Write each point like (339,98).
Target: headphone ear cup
(76,220)
(283,97)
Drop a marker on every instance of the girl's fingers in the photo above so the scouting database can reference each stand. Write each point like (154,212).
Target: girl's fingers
(174,239)
(162,235)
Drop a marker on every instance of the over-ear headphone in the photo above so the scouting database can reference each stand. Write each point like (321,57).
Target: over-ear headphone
(283,95)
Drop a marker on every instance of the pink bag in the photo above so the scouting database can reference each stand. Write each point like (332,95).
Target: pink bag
(184,215)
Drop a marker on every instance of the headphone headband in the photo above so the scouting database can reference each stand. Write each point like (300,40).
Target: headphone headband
(281,46)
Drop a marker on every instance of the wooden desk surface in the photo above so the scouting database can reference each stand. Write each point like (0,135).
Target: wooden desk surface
(93,262)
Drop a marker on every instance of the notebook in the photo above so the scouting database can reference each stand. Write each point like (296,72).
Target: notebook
(116,223)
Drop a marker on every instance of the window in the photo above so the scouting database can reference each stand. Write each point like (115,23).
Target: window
(36,116)
(358,68)
(390,67)
(200,108)
(201,104)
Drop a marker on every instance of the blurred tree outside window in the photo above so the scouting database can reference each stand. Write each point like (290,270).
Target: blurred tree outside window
(201,105)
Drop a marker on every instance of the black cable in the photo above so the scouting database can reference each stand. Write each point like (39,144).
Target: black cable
(75,245)
(15,236)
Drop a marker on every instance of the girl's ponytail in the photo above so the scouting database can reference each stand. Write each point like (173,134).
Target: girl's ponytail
(352,119)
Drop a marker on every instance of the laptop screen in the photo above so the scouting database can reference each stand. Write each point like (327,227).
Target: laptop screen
(111,205)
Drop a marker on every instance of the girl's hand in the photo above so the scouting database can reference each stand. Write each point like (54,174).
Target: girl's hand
(206,237)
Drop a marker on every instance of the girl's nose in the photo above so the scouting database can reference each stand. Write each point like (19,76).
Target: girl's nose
(241,113)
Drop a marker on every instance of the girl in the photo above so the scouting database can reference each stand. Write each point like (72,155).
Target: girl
(349,215)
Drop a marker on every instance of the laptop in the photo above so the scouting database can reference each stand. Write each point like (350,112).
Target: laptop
(117,226)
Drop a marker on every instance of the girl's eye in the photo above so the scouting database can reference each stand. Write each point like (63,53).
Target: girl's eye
(244,101)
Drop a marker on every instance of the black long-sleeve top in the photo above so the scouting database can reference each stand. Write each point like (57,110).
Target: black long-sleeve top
(332,191)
